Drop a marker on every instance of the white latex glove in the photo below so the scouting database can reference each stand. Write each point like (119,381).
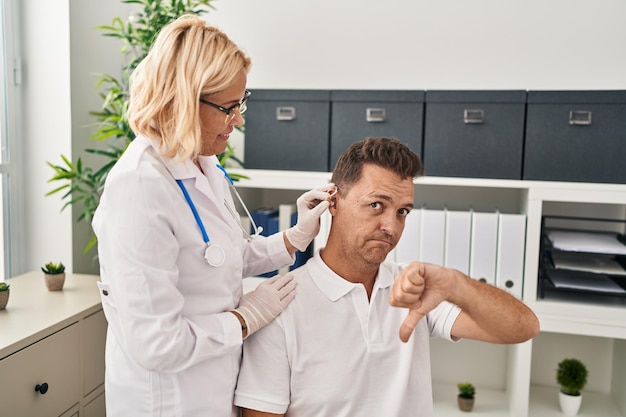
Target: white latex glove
(266,302)
(310,205)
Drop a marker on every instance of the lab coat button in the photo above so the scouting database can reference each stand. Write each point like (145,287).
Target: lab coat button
(105,292)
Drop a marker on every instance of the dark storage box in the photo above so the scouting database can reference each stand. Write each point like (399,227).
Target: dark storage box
(287,130)
(477,134)
(357,114)
(577,136)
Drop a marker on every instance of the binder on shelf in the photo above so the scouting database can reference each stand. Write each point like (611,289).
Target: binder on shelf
(267,218)
(432,235)
(287,217)
(510,252)
(261,217)
(407,249)
(457,240)
(483,246)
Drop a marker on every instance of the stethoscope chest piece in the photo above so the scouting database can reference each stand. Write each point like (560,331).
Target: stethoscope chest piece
(214,255)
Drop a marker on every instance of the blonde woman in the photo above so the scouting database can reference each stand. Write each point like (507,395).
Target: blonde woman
(172,250)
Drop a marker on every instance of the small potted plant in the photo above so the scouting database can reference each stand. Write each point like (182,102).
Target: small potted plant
(571,375)
(4,295)
(466,396)
(54,274)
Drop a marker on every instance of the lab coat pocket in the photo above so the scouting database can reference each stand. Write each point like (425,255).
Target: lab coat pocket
(110,310)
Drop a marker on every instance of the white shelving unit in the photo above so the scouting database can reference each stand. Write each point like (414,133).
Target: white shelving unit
(516,380)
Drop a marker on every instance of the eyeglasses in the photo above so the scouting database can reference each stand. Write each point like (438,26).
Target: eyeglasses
(231,111)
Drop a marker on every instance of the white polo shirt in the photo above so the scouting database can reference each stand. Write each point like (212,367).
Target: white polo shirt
(334,353)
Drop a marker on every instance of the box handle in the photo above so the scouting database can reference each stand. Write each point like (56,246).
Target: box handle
(375,115)
(580,117)
(473,116)
(285,113)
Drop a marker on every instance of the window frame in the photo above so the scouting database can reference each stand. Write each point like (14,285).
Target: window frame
(10,145)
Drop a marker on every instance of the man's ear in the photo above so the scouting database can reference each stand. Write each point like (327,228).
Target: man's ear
(332,207)
(332,200)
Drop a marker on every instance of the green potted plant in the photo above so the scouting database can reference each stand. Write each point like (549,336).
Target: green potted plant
(4,295)
(465,398)
(54,275)
(571,375)
(83,184)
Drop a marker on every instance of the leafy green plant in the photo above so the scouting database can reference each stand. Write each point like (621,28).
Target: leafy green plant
(466,390)
(4,286)
(84,184)
(571,375)
(53,268)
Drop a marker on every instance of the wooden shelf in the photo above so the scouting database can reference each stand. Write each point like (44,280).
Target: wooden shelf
(544,402)
(488,402)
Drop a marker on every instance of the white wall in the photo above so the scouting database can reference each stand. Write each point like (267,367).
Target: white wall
(61,53)
(91,54)
(47,127)
(391,44)
(444,44)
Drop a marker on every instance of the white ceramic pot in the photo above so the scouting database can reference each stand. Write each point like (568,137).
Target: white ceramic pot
(570,404)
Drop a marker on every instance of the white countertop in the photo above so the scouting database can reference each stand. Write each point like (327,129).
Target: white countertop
(34,312)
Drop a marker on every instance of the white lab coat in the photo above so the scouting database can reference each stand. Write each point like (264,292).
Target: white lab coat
(173,349)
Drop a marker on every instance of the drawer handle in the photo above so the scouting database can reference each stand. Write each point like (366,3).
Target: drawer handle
(285,113)
(473,116)
(375,115)
(42,389)
(580,117)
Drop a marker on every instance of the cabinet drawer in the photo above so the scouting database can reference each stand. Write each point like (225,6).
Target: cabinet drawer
(357,114)
(94,341)
(96,407)
(287,130)
(576,136)
(54,360)
(477,134)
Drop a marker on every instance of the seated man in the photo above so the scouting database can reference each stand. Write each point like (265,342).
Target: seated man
(335,350)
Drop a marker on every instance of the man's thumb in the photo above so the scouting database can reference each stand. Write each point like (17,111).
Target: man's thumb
(409,324)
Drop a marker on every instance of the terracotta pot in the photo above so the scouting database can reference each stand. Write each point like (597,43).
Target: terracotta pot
(4,299)
(55,282)
(570,404)
(465,404)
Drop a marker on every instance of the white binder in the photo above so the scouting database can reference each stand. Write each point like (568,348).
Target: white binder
(432,236)
(483,246)
(510,254)
(407,249)
(457,240)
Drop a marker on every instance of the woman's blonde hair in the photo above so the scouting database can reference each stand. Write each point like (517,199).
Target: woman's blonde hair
(187,60)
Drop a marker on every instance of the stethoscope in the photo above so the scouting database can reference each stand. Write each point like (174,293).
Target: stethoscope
(214,255)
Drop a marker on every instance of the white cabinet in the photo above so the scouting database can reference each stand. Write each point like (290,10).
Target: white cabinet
(44,378)
(516,380)
(52,349)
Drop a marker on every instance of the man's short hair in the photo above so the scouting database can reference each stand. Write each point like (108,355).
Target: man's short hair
(385,152)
